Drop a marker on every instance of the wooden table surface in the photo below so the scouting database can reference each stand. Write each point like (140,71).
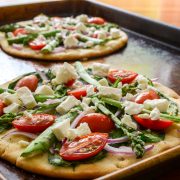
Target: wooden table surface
(167,11)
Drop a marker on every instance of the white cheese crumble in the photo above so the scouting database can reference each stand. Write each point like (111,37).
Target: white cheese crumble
(103,82)
(3,95)
(161,104)
(67,105)
(64,73)
(144,116)
(100,34)
(129,97)
(132,107)
(12,98)
(100,69)
(142,81)
(110,92)
(80,27)
(82,18)
(41,19)
(13,108)
(115,33)
(26,97)
(83,129)
(127,120)
(70,42)
(44,89)
(155,114)
(90,90)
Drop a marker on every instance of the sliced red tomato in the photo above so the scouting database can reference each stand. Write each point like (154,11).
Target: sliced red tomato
(37,44)
(125,75)
(70,83)
(77,93)
(36,123)
(96,20)
(19,31)
(2,106)
(94,35)
(153,124)
(83,147)
(98,122)
(145,96)
(30,81)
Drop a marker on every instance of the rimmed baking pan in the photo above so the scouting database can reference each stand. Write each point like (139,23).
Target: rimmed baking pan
(153,49)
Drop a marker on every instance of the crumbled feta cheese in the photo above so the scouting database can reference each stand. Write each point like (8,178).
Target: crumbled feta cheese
(103,82)
(72,133)
(70,42)
(115,33)
(155,114)
(64,74)
(132,107)
(144,116)
(66,105)
(12,98)
(90,90)
(44,89)
(110,92)
(82,18)
(3,95)
(41,18)
(85,103)
(83,129)
(101,34)
(142,82)
(13,108)
(27,114)
(61,129)
(127,120)
(129,97)
(80,27)
(100,69)
(89,44)
(26,97)
(10,35)
(161,104)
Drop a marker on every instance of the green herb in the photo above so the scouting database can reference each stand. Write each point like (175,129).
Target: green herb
(152,137)
(130,88)
(112,102)
(115,85)
(50,75)
(117,133)
(9,27)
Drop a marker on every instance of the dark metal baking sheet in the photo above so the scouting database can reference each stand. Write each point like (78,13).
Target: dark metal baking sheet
(152,49)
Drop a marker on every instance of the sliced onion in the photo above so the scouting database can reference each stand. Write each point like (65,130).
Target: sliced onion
(124,149)
(117,140)
(80,116)
(117,113)
(154,79)
(17,46)
(52,101)
(58,50)
(41,74)
(16,132)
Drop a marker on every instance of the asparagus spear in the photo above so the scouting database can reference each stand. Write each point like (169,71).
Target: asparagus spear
(84,75)
(44,141)
(136,142)
(50,47)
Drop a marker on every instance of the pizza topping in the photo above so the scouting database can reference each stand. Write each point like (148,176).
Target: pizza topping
(127,120)
(83,147)
(37,44)
(12,108)
(20,31)
(68,104)
(70,42)
(38,123)
(142,82)
(161,104)
(11,98)
(96,20)
(153,125)
(100,69)
(100,34)
(115,33)
(80,27)
(30,82)
(44,89)
(82,18)
(155,114)
(132,107)
(41,19)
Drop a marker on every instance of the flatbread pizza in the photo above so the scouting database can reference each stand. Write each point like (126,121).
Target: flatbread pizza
(62,38)
(82,123)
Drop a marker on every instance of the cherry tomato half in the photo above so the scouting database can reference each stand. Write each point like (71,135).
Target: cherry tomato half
(153,124)
(96,20)
(38,123)
(30,81)
(19,31)
(70,83)
(146,95)
(37,44)
(98,122)
(125,75)
(2,106)
(83,147)
(78,93)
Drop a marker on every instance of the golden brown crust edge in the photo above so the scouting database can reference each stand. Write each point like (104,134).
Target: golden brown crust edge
(39,164)
(70,54)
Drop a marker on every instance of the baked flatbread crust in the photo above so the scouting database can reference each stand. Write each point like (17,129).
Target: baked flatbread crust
(69,54)
(10,150)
